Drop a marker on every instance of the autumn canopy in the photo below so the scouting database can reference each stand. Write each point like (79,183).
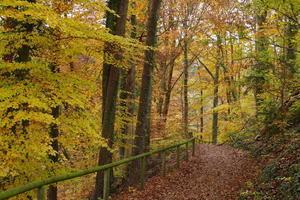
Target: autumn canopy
(84,83)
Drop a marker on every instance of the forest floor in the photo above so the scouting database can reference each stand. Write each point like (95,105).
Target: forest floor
(214,173)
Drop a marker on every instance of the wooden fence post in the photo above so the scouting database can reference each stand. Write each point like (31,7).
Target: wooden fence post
(41,193)
(106,186)
(40,185)
(177,157)
(187,151)
(193,152)
(164,162)
(142,176)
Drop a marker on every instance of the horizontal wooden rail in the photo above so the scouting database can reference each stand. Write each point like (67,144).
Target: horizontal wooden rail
(48,181)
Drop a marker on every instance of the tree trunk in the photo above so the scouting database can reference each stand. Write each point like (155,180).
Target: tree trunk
(261,66)
(233,88)
(215,104)
(173,56)
(185,90)
(142,133)
(215,128)
(111,76)
(228,87)
(127,95)
(168,91)
(54,133)
(162,91)
(201,112)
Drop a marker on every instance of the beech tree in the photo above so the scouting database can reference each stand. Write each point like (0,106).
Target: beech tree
(84,83)
(142,133)
(111,77)
(127,94)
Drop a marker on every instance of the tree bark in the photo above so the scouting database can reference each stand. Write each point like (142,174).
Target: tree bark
(215,120)
(142,133)
(127,95)
(111,76)
(54,133)
(185,90)
(162,91)
(169,90)
(201,112)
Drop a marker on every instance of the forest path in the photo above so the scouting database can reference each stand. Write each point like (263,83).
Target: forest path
(214,173)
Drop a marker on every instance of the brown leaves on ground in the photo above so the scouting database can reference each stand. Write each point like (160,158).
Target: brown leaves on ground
(215,173)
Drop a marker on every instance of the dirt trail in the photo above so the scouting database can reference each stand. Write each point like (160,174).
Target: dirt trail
(215,173)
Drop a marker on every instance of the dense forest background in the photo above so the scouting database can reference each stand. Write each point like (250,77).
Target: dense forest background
(129,76)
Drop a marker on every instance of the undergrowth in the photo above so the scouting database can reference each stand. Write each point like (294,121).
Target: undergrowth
(280,176)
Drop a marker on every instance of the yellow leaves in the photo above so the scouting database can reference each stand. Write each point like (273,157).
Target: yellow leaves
(31,99)
(222,108)
(4,171)
(20,153)
(36,11)
(17,117)
(26,102)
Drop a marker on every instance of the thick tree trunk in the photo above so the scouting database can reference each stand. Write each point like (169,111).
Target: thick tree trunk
(111,76)
(127,95)
(142,133)
(215,104)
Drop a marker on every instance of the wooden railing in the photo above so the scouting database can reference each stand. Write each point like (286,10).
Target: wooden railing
(40,185)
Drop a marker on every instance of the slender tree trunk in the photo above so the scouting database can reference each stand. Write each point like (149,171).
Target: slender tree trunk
(168,91)
(160,103)
(173,56)
(215,128)
(228,87)
(163,73)
(142,133)
(111,76)
(233,88)
(185,90)
(201,112)
(54,133)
